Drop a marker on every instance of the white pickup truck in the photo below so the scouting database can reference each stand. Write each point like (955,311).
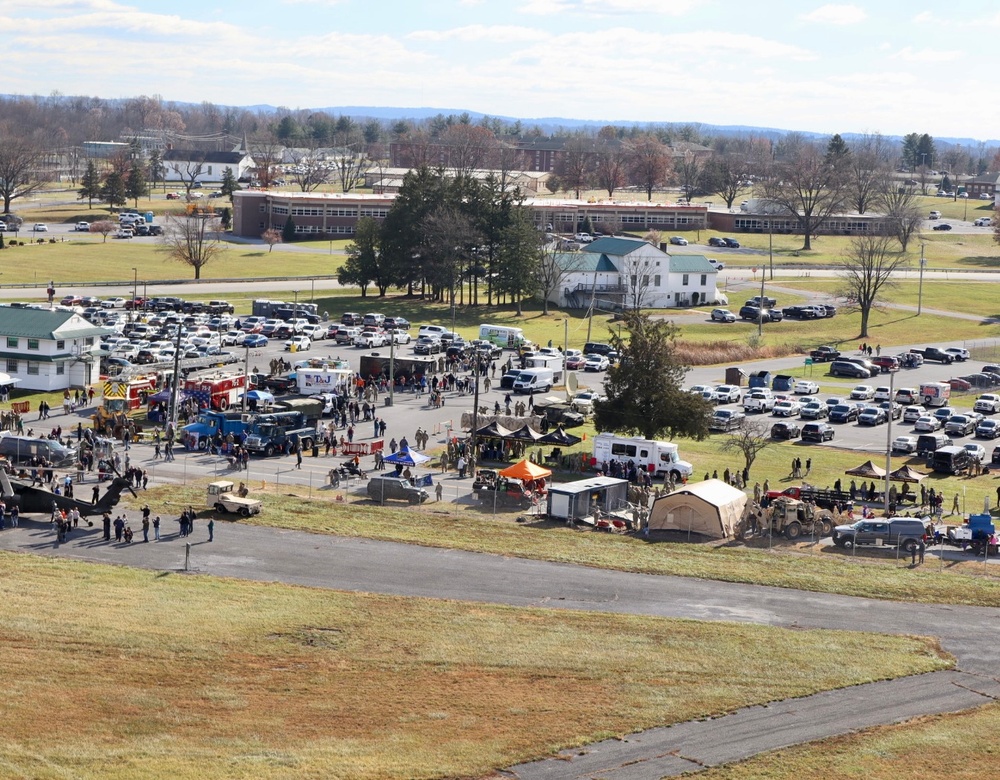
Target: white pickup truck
(222,498)
(758,400)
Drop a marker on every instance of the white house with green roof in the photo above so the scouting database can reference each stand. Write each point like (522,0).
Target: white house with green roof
(48,349)
(629,273)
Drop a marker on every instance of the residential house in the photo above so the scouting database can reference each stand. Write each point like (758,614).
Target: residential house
(49,349)
(627,273)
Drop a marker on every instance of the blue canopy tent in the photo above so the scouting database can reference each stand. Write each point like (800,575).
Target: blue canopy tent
(406,457)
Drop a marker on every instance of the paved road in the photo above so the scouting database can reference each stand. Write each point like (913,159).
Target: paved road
(314,560)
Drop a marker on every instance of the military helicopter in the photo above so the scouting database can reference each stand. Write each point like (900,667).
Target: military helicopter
(33,499)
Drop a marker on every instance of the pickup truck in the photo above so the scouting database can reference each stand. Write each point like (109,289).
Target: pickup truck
(822,497)
(769,303)
(758,400)
(935,354)
(824,354)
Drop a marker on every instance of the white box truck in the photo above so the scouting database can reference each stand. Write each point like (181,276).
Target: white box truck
(661,457)
(534,380)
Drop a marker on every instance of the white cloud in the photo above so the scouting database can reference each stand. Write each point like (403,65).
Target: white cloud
(471,2)
(480,32)
(608,7)
(909,54)
(836,14)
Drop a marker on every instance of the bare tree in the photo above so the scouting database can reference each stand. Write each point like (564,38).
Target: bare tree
(193,240)
(689,169)
(725,175)
(309,171)
(552,269)
(749,440)
(807,187)
(266,150)
(351,167)
(903,214)
(649,163)
(271,237)
(637,275)
(104,227)
(574,166)
(469,147)
(869,171)
(507,161)
(868,270)
(611,171)
(21,170)
(188,172)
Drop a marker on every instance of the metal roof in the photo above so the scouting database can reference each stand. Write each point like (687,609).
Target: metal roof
(617,247)
(690,264)
(46,324)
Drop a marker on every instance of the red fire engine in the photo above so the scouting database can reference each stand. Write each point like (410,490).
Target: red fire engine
(218,391)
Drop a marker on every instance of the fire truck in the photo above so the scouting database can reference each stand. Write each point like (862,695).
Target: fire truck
(216,391)
(119,397)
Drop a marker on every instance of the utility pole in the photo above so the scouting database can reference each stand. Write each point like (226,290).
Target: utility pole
(920,286)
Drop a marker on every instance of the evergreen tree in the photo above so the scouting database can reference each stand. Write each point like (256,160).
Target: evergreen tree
(288,231)
(519,256)
(229,183)
(837,151)
(113,192)
(362,265)
(155,168)
(644,393)
(135,182)
(226,218)
(90,184)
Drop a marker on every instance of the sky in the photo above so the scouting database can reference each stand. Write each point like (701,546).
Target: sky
(892,66)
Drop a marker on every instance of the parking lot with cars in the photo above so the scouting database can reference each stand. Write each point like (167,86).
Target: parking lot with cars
(858,408)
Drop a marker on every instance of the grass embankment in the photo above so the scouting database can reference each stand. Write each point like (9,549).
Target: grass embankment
(807,567)
(146,674)
(959,747)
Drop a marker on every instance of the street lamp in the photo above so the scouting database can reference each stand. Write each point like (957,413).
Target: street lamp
(135,289)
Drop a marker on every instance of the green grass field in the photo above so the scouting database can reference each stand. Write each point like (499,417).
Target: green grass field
(154,675)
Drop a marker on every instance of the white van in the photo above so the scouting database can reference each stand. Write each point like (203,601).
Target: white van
(534,380)
(434,331)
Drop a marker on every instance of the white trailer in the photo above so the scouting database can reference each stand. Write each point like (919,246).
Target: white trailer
(660,457)
(935,393)
(327,379)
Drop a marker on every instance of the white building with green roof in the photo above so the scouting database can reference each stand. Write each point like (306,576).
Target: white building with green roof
(628,273)
(48,349)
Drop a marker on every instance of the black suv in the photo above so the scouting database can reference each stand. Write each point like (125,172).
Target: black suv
(900,531)
(594,348)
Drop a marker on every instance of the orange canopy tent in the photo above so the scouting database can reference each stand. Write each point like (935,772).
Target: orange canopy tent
(526,471)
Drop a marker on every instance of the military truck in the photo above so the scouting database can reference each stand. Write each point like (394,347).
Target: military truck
(279,432)
(222,498)
(795,518)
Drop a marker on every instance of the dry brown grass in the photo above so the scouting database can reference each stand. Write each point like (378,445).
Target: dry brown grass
(958,747)
(692,353)
(115,673)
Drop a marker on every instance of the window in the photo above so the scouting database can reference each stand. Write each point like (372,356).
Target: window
(209,170)
(263,208)
(32,368)
(306,211)
(684,280)
(60,344)
(645,280)
(379,213)
(12,342)
(60,369)
(32,343)
(342,212)
(12,366)
(704,279)
(279,209)
(628,450)
(656,281)
(89,341)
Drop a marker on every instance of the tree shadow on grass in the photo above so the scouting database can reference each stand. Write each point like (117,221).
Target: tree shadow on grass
(980,261)
(253,254)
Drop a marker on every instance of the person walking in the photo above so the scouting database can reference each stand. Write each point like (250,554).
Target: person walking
(438,491)
(156,528)
(211,529)
(955,508)
(809,465)
(298,455)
